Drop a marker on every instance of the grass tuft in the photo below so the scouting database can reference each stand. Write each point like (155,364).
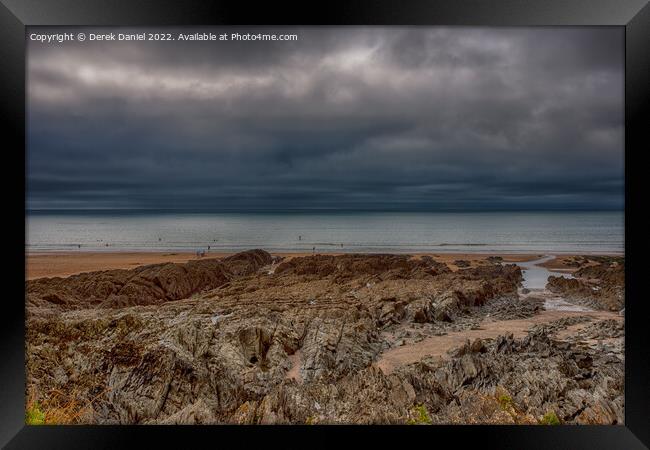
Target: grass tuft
(550,418)
(34,415)
(505,401)
(421,416)
(57,408)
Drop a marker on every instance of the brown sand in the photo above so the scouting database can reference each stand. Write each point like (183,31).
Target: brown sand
(563,263)
(294,371)
(438,346)
(63,264)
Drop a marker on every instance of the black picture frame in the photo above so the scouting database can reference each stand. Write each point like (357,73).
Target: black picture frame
(633,15)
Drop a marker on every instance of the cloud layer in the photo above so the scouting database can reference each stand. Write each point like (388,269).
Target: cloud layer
(352,118)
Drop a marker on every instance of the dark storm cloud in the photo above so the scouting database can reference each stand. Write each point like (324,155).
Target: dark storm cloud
(381,118)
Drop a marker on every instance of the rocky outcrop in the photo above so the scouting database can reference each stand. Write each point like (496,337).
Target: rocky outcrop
(346,267)
(247,263)
(146,285)
(505,381)
(600,285)
(505,308)
(233,341)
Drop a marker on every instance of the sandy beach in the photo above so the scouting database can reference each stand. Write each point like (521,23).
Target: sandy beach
(63,264)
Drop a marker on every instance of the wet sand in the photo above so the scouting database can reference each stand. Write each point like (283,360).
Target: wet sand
(565,263)
(63,264)
(41,265)
(438,346)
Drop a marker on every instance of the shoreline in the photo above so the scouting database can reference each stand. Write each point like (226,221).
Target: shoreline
(63,264)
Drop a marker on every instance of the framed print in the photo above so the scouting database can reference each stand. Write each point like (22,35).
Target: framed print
(357,218)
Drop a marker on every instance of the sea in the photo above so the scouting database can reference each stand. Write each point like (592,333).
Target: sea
(548,232)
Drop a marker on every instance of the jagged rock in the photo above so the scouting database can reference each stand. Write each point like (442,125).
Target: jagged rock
(600,286)
(225,341)
(146,285)
(345,267)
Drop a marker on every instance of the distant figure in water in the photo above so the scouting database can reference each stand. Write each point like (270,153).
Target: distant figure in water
(300,238)
(159,239)
(79,245)
(314,250)
(208,248)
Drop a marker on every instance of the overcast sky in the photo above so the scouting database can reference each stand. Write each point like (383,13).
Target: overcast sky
(412,118)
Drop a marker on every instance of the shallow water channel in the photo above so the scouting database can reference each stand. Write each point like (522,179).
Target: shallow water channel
(535,279)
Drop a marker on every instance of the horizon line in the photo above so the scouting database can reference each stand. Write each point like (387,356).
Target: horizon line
(346,210)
